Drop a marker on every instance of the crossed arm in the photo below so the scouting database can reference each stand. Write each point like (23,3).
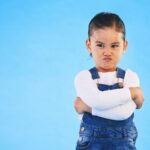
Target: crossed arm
(107,103)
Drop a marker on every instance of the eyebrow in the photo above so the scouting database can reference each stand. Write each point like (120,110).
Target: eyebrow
(99,42)
(115,43)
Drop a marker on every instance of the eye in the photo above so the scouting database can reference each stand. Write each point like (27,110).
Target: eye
(100,45)
(114,45)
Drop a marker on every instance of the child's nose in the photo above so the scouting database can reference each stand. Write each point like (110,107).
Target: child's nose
(107,52)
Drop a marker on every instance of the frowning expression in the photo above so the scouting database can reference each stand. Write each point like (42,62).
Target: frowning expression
(106,46)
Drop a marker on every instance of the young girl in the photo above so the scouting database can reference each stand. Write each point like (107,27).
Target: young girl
(107,95)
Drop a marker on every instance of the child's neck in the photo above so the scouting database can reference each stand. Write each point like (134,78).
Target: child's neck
(106,70)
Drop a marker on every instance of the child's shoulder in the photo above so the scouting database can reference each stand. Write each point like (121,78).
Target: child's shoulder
(83,75)
(131,78)
(131,73)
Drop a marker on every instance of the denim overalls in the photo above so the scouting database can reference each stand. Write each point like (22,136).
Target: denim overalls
(97,133)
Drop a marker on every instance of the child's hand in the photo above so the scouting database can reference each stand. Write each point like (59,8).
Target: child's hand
(137,96)
(80,106)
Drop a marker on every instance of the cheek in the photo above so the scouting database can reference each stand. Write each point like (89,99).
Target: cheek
(97,54)
(119,56)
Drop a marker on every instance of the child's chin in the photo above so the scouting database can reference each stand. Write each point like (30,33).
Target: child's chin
(108,68)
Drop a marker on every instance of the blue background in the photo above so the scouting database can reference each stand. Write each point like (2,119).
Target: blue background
(42,47)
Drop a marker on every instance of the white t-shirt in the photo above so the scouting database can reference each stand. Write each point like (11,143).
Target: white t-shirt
(114,104)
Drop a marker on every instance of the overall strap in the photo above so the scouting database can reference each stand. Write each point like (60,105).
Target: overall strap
(120,76)
(94,73)
(120,73)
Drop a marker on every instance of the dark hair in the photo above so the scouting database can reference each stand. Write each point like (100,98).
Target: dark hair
(106,19)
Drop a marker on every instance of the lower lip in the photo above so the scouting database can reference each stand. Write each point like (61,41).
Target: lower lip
(107,59)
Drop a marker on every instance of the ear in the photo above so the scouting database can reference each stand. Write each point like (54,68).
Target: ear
(125,45)
(88,45)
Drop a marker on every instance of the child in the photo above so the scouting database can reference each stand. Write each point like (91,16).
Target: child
(107,95)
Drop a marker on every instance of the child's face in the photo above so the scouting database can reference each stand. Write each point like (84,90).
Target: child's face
(106,46)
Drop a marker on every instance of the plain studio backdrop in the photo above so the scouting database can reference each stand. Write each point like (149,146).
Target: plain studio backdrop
(42,47)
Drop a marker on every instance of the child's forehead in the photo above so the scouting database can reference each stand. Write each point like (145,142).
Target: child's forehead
(107,34)
(107,29)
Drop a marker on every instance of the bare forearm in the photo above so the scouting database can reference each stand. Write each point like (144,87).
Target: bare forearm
(81,107)
(137,96)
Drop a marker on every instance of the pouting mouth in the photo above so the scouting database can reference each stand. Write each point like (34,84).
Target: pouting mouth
(107,59)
